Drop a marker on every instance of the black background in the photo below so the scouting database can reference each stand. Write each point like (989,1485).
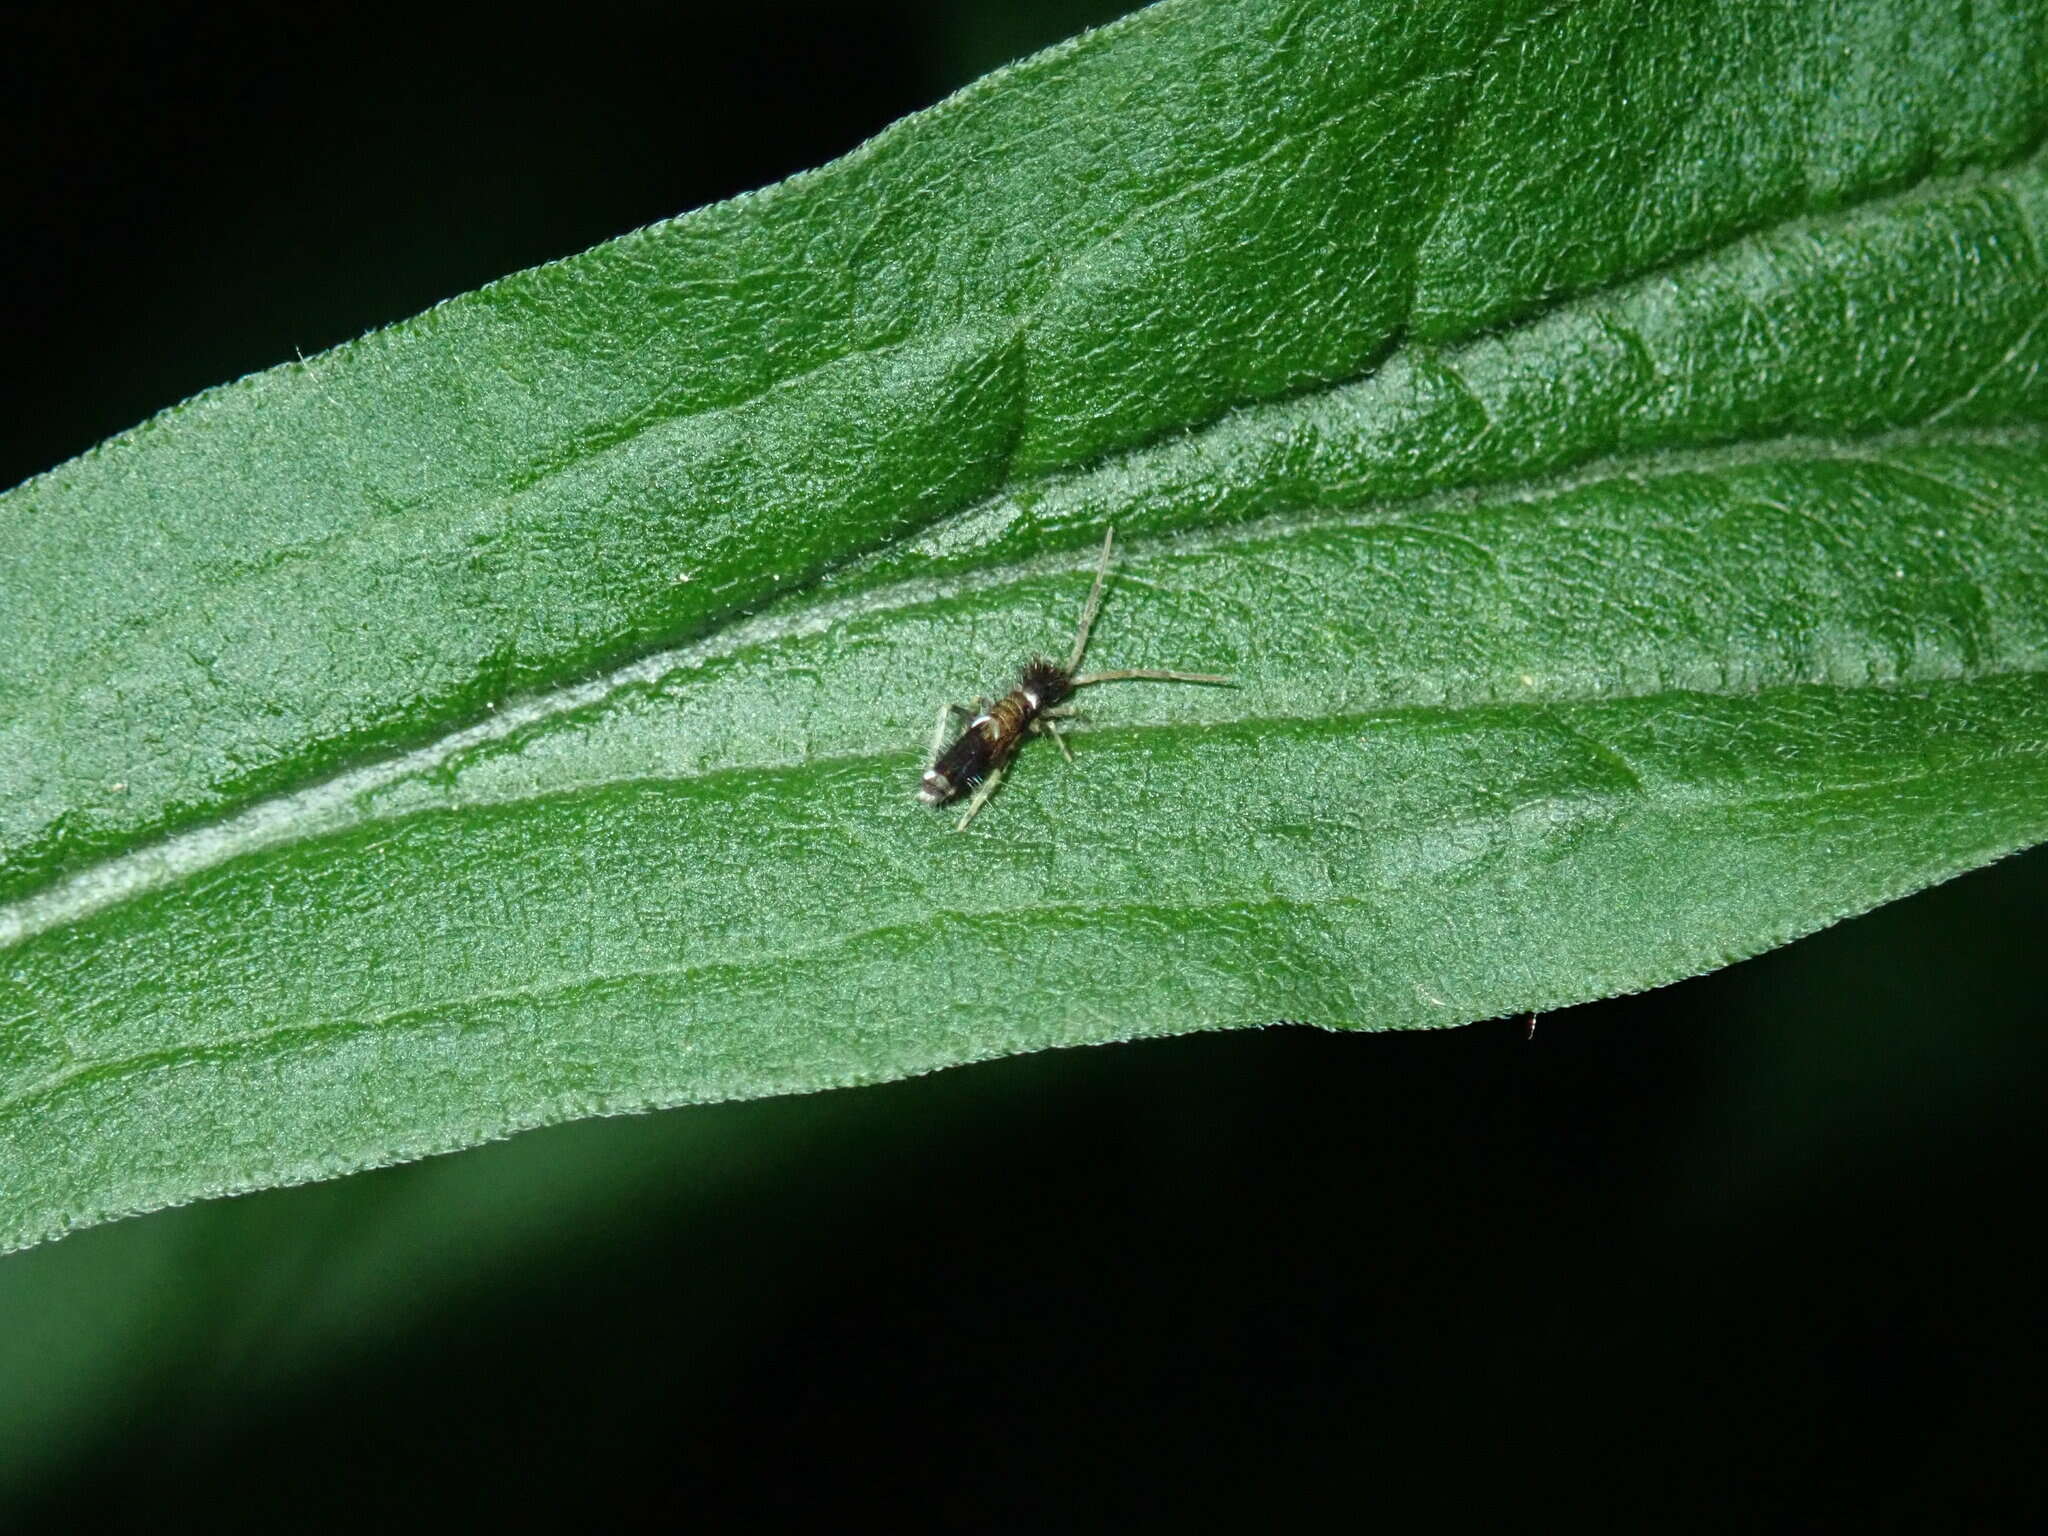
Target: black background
(1756,1249)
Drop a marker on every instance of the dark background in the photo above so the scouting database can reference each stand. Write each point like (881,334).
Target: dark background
(1756,1249)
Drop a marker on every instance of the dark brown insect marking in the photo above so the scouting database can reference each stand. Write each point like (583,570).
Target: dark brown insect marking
(992,739)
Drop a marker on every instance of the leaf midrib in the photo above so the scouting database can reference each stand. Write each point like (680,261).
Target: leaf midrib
(155,867)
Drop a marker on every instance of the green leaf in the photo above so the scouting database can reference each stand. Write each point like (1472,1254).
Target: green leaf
(1607,443)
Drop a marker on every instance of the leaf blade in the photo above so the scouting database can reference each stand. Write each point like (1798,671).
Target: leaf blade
(1709,594)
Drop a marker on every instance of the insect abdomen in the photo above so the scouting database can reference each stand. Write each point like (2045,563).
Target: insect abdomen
(961,766)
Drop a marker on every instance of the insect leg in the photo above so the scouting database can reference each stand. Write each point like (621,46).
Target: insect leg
(1059,741)
(988,787)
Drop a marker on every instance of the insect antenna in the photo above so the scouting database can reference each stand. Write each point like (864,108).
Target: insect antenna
(1094,605)
(1088,623)
(1151,677)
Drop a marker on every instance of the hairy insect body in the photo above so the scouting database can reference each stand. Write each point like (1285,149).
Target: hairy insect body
(992,737)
